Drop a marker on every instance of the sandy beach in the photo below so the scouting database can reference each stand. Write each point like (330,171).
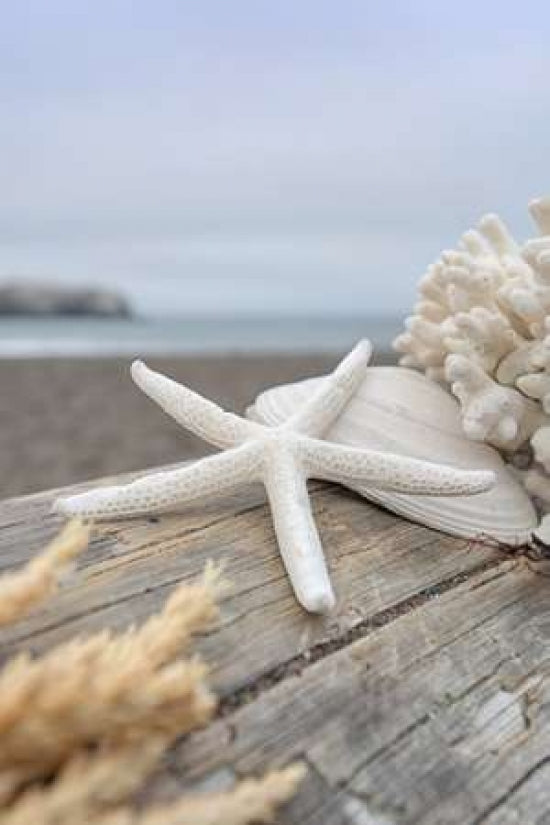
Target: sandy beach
(67,420)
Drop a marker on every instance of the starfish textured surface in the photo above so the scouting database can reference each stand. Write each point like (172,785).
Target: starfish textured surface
(282,458)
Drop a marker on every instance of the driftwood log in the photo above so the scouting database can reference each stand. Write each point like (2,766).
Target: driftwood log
(424,699)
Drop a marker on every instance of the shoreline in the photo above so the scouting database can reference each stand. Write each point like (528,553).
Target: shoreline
(22,338)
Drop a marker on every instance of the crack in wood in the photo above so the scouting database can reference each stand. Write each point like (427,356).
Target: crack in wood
(502,800)
(357,808)
(476,684)
(477,625)
(152,546)
(297,664)
(489,579)
(433,541)
(403,734)
(90,611)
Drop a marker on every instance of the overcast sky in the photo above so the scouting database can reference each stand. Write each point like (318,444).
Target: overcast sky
(259,156)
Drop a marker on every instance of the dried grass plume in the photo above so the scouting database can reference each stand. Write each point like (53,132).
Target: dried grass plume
(39,579)
(109,688)
(93,716)
(97,790)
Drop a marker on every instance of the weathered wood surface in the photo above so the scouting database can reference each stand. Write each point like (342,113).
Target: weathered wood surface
(424,699)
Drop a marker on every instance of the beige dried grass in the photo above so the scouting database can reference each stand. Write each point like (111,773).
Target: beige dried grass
(252,800)
(39,579)
(88,784)
(94,715)
(109,688)
(90,789)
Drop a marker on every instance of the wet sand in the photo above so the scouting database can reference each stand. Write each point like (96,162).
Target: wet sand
(68,420)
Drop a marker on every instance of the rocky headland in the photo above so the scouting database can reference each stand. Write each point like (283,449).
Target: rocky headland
(43,299)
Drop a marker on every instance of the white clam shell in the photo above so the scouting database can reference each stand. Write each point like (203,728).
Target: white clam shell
(402,411)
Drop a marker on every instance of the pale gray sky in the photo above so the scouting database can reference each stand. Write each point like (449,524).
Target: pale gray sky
(264,156)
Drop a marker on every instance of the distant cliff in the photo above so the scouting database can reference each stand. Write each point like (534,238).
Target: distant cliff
(47,299)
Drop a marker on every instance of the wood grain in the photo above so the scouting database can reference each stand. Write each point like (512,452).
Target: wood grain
(423,699)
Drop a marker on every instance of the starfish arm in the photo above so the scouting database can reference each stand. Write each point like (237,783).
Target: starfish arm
(212,475)
(192,411)
(346,465)
(325,405)
(297,535)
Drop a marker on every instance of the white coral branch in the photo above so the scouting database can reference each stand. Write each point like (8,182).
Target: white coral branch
(482,326)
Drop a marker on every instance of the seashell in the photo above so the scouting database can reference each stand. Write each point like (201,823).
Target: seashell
(401,411)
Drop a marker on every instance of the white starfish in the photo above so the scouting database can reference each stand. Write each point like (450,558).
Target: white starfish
(282,458)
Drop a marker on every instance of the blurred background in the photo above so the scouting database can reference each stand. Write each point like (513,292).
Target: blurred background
(237,191)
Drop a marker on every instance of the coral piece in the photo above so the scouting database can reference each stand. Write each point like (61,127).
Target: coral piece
(482,327)
(490,412)
(282,458)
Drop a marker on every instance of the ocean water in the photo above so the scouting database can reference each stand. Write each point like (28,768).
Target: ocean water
(46,337)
